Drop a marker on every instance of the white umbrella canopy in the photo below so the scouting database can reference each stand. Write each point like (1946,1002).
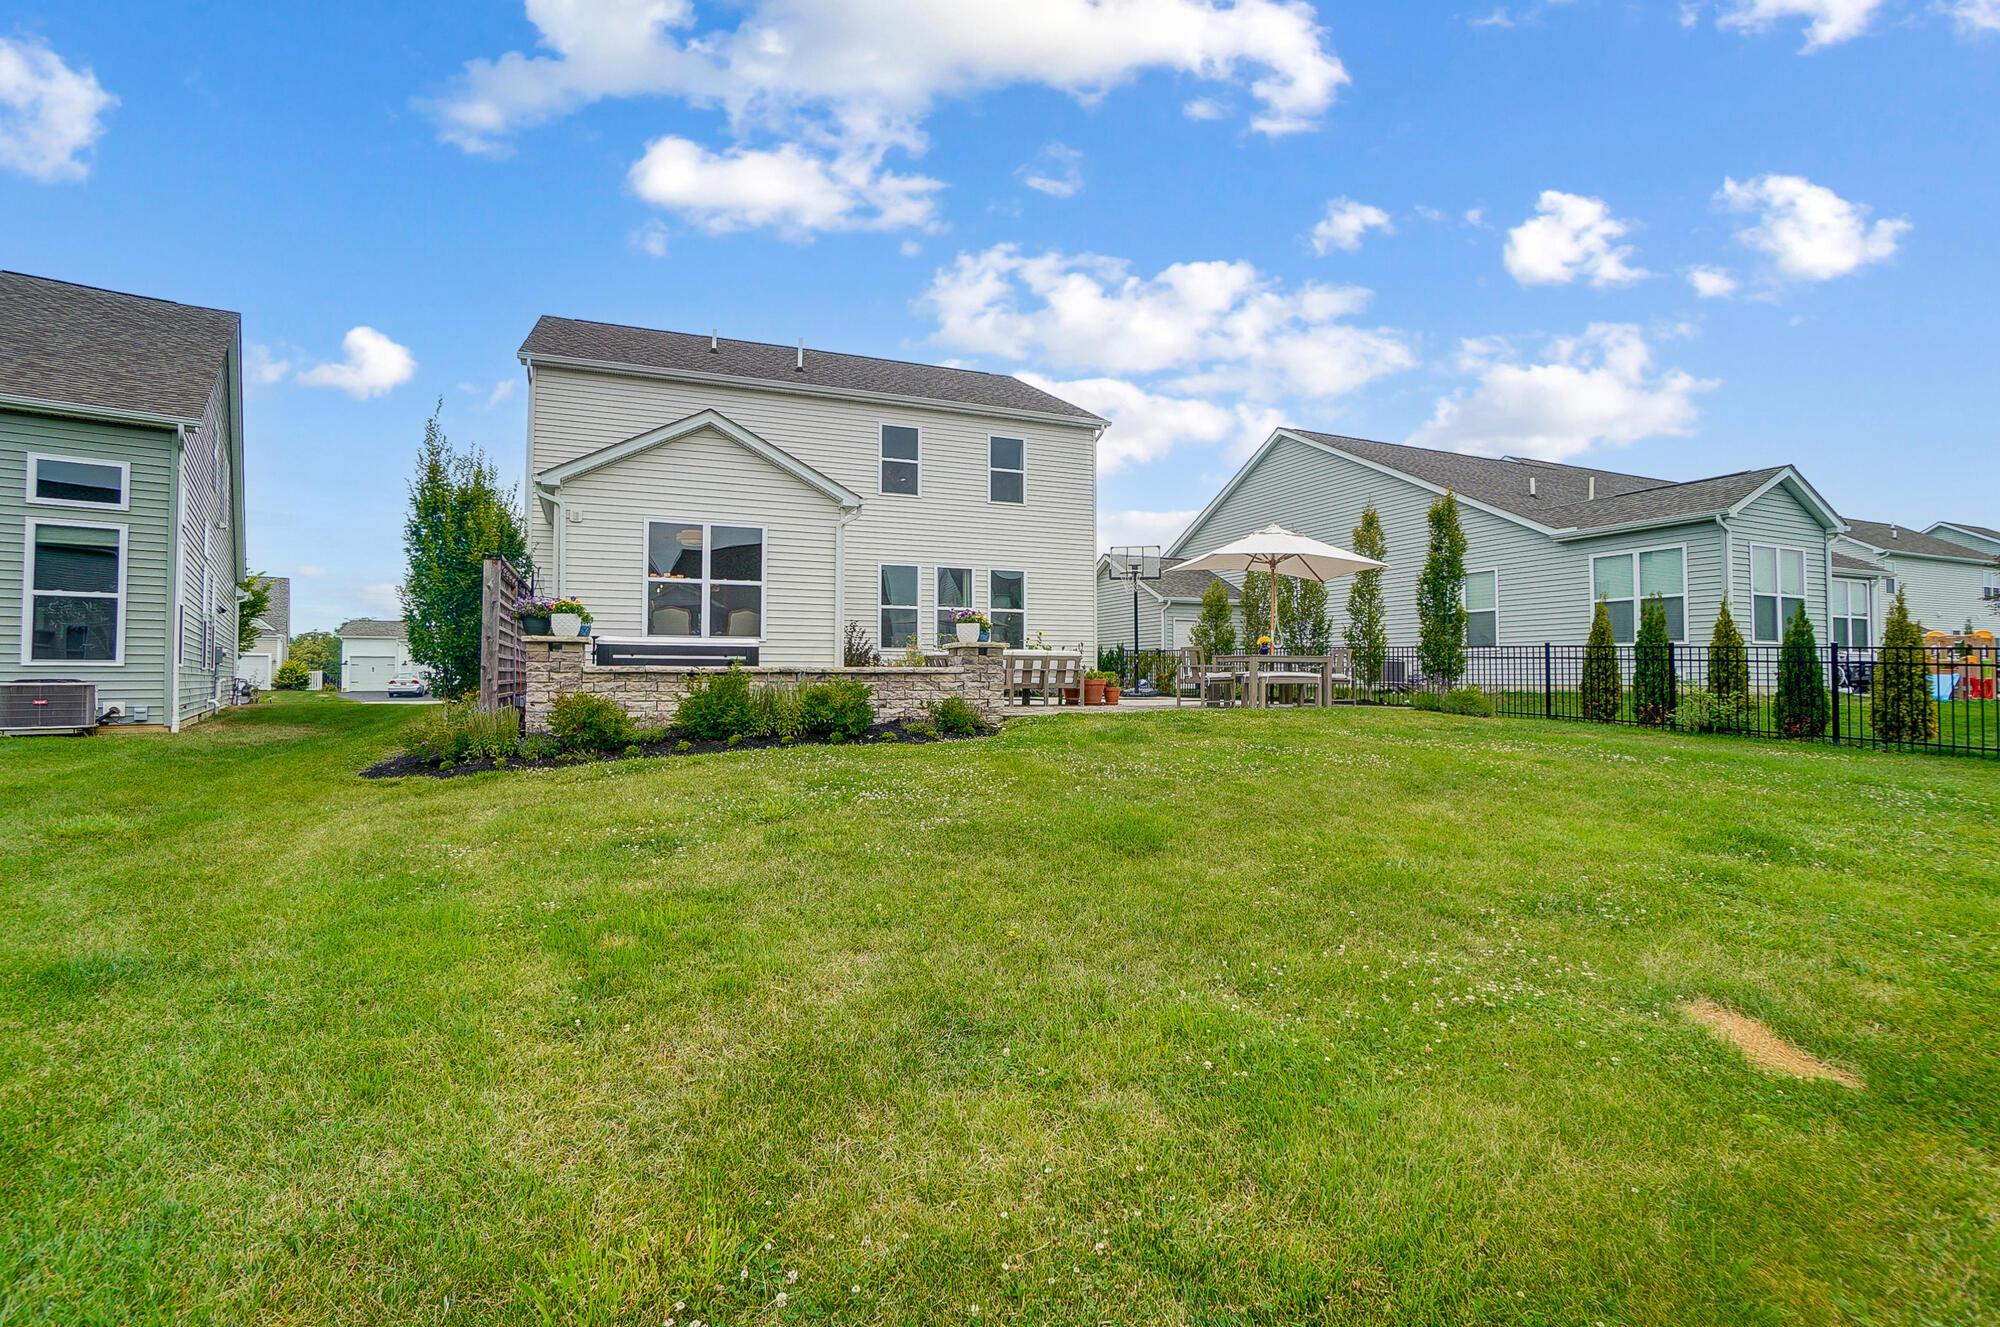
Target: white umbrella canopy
(1282,552)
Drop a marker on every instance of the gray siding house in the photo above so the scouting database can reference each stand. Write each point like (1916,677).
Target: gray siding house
(1544,541)
(259,664)
(121,497)
(1167,608)
(710,499)
(1946,582)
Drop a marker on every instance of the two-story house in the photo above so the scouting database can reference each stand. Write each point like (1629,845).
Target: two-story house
(121,497)
(710,499)
(1945,577)
(1546,542)
(259,664)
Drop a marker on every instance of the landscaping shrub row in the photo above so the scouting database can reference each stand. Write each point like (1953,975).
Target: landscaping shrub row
(719,712)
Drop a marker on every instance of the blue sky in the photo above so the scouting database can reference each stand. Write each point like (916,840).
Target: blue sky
(1477,227)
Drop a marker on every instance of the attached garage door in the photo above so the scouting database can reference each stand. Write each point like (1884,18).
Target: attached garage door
(369,673)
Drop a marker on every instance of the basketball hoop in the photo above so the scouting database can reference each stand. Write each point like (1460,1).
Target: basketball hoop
(1133,563)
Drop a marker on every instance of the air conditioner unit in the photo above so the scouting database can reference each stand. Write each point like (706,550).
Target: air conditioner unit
(48,705)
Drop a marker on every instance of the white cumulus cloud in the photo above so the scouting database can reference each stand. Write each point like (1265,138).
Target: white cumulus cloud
(1975,16)
(1594,390)
(50,113)
(1345,224)
(1570,236)
(785,188)
(1828,22)
(1128,528)
(1712,282)
(1057,171)
(1809,232)
(373,364)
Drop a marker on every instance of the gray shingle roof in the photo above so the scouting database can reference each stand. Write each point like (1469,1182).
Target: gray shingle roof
(80,346)
(374,628)
(1986,530)
(1177,584)
(279,615)
(1562,492)
(1906,540)
(1848,562)
(684,352)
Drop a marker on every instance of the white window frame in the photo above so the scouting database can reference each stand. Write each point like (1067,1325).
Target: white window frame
(1639,595)
(1866,616)
(883,606)
(124,469)
(882,459)
(938,606)
(646,578)
(117,659)
(1804,595)
(1495,610)
(992,613)
(992,470)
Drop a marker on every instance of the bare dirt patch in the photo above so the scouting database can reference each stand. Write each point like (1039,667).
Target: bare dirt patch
(1763,1047)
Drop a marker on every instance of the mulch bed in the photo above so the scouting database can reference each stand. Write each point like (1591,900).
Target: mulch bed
(400,767)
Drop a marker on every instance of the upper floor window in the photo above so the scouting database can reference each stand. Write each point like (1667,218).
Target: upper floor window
(1625,581)
(1777,589)
(76,580)
(1482,609)
(704,580)
(1007,470)
(68,481)
(902,459)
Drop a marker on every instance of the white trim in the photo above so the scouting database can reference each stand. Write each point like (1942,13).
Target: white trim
(991,572)
(992,470)
(557,475)
(882,458)
(1867,585)
(1829,517)
(1804,595)
(971,588)
(883,606)
(122,599)
(704,581)
(1639,595)
(124,469)
(1091,422)
(1470,572)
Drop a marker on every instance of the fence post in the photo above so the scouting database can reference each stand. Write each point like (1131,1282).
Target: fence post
(1548,686)
(1833,676)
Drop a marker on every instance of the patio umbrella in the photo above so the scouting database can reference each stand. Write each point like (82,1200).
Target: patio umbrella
(1279,551)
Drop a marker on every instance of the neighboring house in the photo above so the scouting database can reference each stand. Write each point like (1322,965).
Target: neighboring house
(1945,582)
(1544,541)
(712,499)
(1978,538)
(260,663)
(373,650)
(121,496)
(1167,609)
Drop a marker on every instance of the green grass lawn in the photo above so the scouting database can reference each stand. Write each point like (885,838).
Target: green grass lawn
(1358,1015)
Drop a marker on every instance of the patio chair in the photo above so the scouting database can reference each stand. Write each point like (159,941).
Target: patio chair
(1193,672)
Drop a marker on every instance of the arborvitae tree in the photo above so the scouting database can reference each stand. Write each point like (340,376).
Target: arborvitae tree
(1214,633)
(1285,638)
(1653,665)
(1728,665)
(1602,687)
(1312,630)
(1903,711)
(1255,600)
(1367,638)
(1441,596)
(1801,708)
(256,602)
(459,516)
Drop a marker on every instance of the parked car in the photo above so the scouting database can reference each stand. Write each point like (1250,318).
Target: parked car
(408,684)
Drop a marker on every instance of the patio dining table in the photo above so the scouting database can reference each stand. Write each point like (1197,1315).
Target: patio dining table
(1259,673)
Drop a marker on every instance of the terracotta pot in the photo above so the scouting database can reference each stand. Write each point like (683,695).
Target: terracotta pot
(1093,691)
(1072,695)
(1111,693)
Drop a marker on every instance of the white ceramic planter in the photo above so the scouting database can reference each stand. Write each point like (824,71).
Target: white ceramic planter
(968,632)
(566,624)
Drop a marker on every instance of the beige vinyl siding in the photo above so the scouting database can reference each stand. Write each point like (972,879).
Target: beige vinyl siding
(208,557)
(1543,584)
(140,682)
(705,477)
(1778,518)
(1051,538)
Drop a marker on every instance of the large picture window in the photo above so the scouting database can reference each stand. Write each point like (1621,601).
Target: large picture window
(1482,609)
(69,481)
(1777,589)
(1007,470)
(76,583)
(1007,605)
(1624,581)
(954,591)
(898,606)
(902,459)
(1851,616)
(704,580)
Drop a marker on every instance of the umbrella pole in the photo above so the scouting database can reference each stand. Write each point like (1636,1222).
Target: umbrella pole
(1274,605)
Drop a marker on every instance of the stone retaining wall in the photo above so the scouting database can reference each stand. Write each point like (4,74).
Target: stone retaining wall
(561,664)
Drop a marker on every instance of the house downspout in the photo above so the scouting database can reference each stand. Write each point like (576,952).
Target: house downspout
(840,579)
(176,626)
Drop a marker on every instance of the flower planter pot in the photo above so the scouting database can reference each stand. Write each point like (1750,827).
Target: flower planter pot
(535,626)
(565,624)
(1072,695)
(1093,691)
(968,632)
(985,635)
(1111,693)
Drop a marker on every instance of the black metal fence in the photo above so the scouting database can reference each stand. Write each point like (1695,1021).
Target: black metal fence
(1547,682)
